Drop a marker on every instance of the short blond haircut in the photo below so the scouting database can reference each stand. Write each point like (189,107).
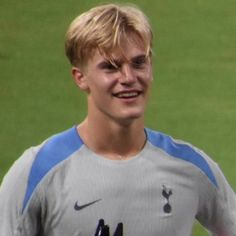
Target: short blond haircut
(103,28)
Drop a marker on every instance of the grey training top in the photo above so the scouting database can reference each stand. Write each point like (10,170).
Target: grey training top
(62,188)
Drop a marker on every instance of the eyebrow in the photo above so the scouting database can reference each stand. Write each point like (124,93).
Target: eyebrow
(139,57)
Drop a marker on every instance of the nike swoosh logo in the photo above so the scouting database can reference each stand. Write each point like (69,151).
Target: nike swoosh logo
(80,207)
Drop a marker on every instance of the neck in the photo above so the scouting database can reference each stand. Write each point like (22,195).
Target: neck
(113,140)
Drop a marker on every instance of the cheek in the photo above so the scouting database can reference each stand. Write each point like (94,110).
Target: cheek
(102,84)
(146,78)
(149,73)
(146,73)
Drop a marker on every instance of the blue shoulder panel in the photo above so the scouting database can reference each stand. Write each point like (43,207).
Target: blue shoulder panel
(181,151)
(56,149)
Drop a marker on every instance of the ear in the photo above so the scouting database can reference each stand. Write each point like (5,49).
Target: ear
(79,78)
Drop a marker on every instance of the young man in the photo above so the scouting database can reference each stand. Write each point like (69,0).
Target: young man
(110,166)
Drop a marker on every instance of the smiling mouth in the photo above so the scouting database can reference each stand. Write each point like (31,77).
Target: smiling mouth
(127,95)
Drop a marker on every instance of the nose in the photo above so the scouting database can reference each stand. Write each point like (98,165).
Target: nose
(128,75)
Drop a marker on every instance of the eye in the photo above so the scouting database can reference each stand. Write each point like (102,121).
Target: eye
(108,66)
(139,62)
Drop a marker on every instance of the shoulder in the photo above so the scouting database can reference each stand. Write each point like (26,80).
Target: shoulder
(55,150)
(50,152)
(36,162)
(185,152)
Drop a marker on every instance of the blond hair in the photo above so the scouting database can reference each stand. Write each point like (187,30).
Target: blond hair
(103,28)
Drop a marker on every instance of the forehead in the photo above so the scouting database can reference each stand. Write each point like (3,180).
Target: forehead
(127,50)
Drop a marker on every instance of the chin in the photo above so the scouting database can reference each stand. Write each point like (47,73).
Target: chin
(132,115)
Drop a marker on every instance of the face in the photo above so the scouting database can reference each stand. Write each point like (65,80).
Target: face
(118,90)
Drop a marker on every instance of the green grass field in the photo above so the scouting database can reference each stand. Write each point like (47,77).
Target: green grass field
(194,89)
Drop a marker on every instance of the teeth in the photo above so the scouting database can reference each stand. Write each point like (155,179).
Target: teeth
(127,95)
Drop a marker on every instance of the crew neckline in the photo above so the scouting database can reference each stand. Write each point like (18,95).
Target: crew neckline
(102,158)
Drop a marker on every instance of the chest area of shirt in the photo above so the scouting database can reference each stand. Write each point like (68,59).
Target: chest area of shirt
(159,203)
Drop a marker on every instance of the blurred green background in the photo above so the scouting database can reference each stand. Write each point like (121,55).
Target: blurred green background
(194,89)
